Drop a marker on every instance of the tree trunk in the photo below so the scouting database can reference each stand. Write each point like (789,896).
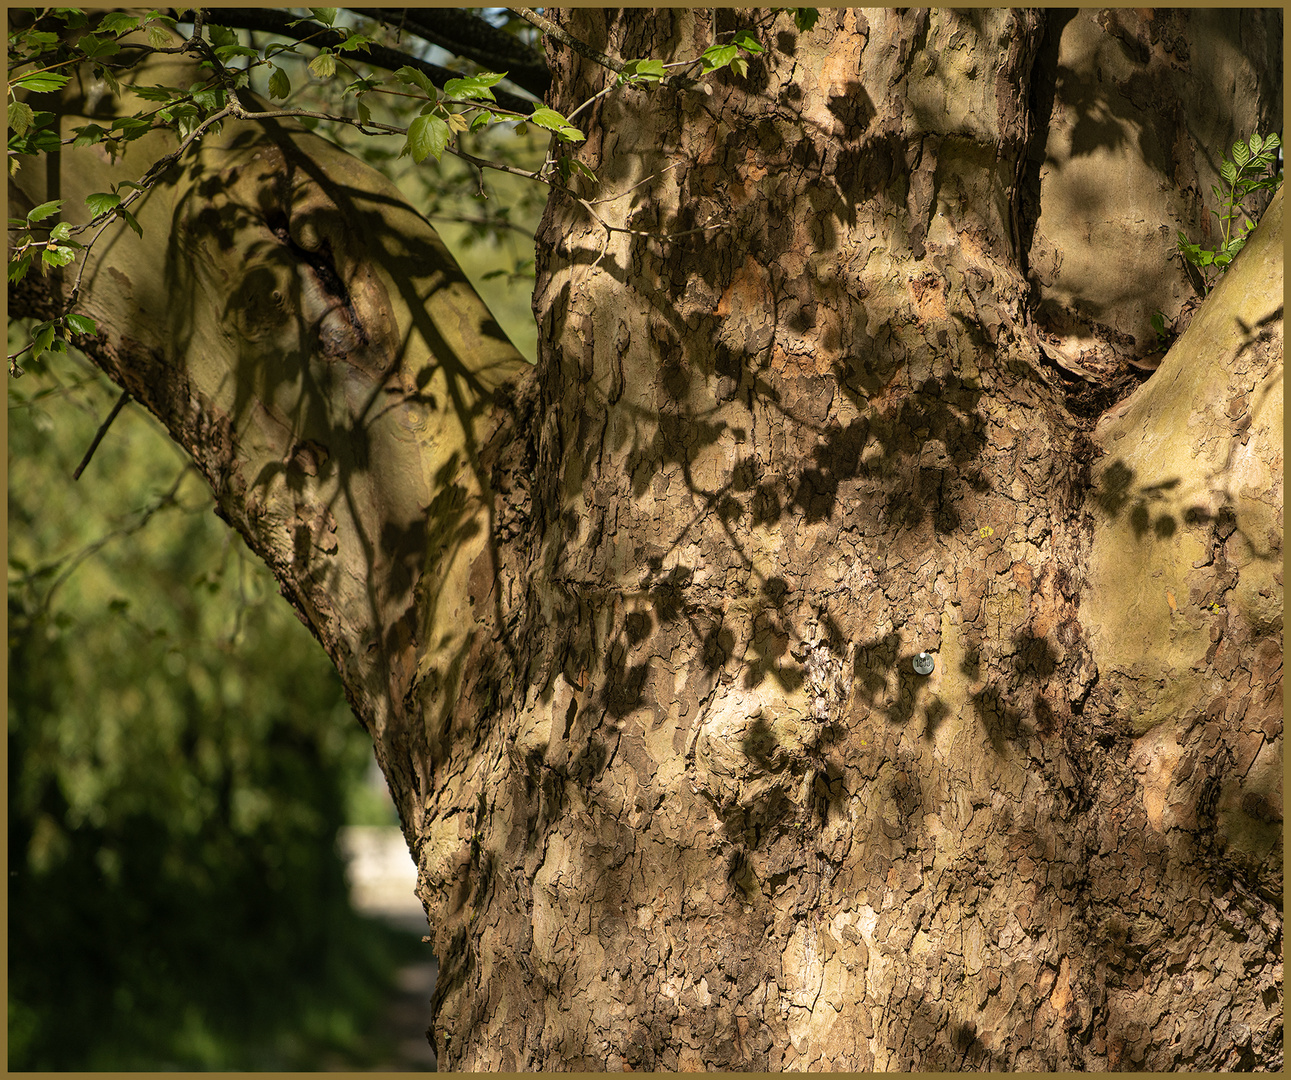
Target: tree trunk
(635,634)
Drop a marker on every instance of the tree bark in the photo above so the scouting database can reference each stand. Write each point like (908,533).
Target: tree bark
(634,634)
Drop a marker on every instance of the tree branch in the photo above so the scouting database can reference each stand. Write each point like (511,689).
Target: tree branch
(275,22)
(584,50)
(103,430)
(469,36)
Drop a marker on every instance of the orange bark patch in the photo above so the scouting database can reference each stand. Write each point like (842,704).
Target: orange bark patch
(747,291)
(929,292)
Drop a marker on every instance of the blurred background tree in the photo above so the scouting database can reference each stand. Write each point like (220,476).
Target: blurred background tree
(181,754)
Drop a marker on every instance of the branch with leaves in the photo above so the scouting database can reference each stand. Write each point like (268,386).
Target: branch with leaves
(448,104)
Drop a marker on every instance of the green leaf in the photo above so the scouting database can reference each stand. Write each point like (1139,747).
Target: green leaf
(44,210)
(325,15)
(716,57)
(475,87)
(355,43)
(745,40)
(95,47)
(157,93)
(132,127)
(224,52)
(117,22)
(804,18)
(42,338)
(40,82)
(129,219)
(642,71)
(101,201)
(20,115)
(1272,143)
(221,35)
(61,231)
(1228,171)
(81,324)
(19,267)
(1256,144)
(412,77)
(1241,155)
(549,119)
(427,135)
(480,119)
(157,36)
(88,135)
(1158,323)
(365,114)
(323,66)
(279,84)
(58,256)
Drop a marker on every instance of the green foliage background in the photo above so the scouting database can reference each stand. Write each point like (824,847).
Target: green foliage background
(180,758)
(180,750)
(181,754)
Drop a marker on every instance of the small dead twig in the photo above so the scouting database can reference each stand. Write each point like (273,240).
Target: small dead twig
(103,430)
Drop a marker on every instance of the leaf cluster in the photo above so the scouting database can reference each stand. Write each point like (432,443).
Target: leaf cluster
(1250,168)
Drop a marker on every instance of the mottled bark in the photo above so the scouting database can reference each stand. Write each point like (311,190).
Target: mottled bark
(636,645)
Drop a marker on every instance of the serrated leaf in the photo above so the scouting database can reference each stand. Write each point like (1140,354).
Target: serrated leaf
(117,22)
(740,66)
(412,77)
(745,40)
(88,135)
(61,231)
(569,133)
(279,84)
(323,66)
(224,52)
(35,39)
(643,70)
(427,135)
(157,93)
(716,57)
(42,339)
(457,122)
(101,201)
(547,118)
(804,18)
(19,267)
(481,119)
(130,220)
(40,82)
(94,46)
(57,256)
(325,15)
(158,38)
(221,35)
(474,88)
(81,324)
(20,115)
(355,43)
(365,114)
(44,210)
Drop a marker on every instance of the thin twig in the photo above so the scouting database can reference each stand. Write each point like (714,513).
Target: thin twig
(103,430)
